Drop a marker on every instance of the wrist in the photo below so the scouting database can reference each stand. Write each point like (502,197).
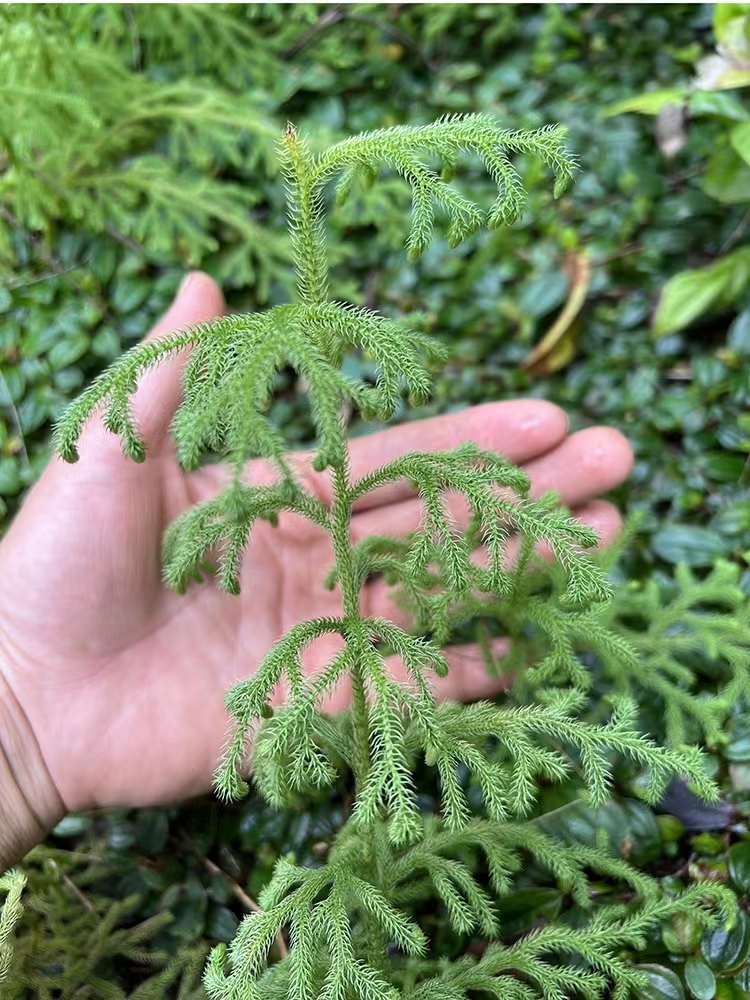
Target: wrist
(30,804)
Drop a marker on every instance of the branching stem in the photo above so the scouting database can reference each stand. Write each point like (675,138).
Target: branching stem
(312,287)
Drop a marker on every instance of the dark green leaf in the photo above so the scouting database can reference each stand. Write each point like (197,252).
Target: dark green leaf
(738,738)
(222,924)
(659,983)
(687,296)
(718,104)
(10,476)
(152,826)
(734,519)
(726,989)
(722,467)
(67,350)
(72,826)
(727,178)
(129,293)
(726,950)
(685,543)
(738,859)
(521,910)
(740,140)
(683,935)
(646,104)
(739,333)
(699,979)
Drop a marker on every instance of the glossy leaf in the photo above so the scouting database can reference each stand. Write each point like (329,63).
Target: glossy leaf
(699,979)
(727,178)
(690,544)
(738,738)
(724,949)
(738,859)
(728,989)
(692,293)
(659,983)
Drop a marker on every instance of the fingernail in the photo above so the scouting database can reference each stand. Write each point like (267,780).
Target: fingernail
(185,284)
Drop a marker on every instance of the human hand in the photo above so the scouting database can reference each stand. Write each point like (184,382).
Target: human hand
(116,685)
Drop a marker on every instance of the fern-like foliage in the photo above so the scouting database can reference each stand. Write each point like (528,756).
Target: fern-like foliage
(701,630)
(73,944)
(79,128)
(11,883)
(354,922)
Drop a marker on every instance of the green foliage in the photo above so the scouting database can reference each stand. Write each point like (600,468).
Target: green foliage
(726,176)
(70,944)
(679,650)
(79,132)
(12,883)
(346,916)
(685,640)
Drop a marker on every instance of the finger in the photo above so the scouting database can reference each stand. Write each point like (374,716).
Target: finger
(520,430)
(159,393)
(378,597)
(469,676)
(586,464)
(159,389)
(581,467)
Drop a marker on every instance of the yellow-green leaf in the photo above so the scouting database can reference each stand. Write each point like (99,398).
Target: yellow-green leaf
(650,103)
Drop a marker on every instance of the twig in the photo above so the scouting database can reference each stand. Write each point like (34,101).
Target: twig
(327,18)
(25,282)
(736,233)
(123,238)
(77,892)
(559,809)
(16,421)
(247,901)
(407,40)
(338,13)
(56,266)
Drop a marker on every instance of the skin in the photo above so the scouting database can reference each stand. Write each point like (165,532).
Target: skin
(118,683)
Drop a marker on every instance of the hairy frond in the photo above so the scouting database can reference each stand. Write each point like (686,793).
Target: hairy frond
(699,631)
(249,700)
(317,905)
(505,846)
(536,741)
(12,884)
(542,958)
(391,858)
(226,521)
(80,122)
(653,643)
(398,148)
(437,568)
(72,942)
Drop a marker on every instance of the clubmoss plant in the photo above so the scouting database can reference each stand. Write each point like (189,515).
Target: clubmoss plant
(354,921)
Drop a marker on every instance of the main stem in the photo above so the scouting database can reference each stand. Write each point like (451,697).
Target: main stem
(341,516)
(311,264)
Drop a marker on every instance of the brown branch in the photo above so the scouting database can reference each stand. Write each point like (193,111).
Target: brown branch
(77,892)
(247,901)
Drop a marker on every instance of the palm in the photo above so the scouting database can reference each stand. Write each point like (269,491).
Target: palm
(130,678)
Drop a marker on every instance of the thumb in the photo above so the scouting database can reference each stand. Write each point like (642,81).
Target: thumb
(159,392)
